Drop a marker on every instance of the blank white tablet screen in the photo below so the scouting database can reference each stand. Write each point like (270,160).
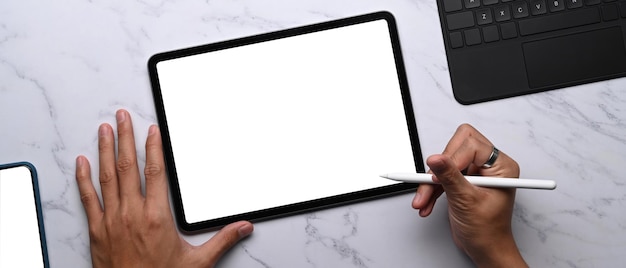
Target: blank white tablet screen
(285,121)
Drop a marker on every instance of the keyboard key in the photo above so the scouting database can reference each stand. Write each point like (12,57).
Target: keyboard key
(483,16)
(472,37)
(577,17)
(538,7)
(508,30)
(472,3)
(502,13)
(592,2)
(489,2)
(452,5)
(456,39)
(490,33)
(609,12)
(460,20)
(574,3)
(520,9)
(556,5)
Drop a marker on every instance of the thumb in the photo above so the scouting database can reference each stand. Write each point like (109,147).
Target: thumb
(223,240)
(448,175)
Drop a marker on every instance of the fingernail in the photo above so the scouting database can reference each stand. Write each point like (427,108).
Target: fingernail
(152,130)
(245,230)
(121,116)
(104,130)
(80,161)
(417,198)
(438,165)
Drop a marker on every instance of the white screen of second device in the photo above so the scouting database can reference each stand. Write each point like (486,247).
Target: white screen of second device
(285,121)
(20,245)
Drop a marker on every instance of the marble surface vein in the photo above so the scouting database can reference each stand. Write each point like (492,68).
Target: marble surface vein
(66,67)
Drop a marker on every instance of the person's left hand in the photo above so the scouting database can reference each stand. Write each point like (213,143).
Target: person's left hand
(136,230)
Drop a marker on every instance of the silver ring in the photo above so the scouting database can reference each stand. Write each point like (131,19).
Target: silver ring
(492,158)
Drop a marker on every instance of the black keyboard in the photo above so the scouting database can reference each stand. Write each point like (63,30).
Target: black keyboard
(504,48)
(474,22)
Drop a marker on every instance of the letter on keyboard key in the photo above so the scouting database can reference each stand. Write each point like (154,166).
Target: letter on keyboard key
(472,3)
(559,21)
(556,5)
(452,5)
(574,3)
(483,16)
(538,7)
(520,9)
(460,20)
(502,13)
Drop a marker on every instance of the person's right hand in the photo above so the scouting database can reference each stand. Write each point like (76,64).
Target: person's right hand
(480,218)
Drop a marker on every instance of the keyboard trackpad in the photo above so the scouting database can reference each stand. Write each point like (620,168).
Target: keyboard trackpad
(575,57)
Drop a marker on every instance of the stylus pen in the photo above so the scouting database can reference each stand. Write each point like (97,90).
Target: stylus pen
(477,180)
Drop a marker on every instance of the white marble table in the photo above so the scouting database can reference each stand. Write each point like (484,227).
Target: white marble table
(66,67)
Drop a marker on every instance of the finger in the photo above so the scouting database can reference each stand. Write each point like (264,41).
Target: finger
(423,195)
(108,175)
(428,209)
(88,195)
(225,239)
(471,153)
(127,169)
(447,173)
(426,197)
(463,133)
(469,149)
(156,181)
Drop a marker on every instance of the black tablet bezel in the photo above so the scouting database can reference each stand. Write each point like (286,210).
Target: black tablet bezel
(301,206)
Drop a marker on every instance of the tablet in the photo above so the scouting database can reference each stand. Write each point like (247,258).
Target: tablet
(286,121)
(22,236)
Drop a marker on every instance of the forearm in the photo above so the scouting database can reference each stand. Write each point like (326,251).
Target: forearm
(503,253)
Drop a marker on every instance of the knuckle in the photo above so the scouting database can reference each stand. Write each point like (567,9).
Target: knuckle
(472,144)
(107,177)
(94,232)
(124,164)
(125,219)
(154,219)
(465,128)
(152,170)
(88,198)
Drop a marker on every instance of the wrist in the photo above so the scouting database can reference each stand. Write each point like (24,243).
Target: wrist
(499,253)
